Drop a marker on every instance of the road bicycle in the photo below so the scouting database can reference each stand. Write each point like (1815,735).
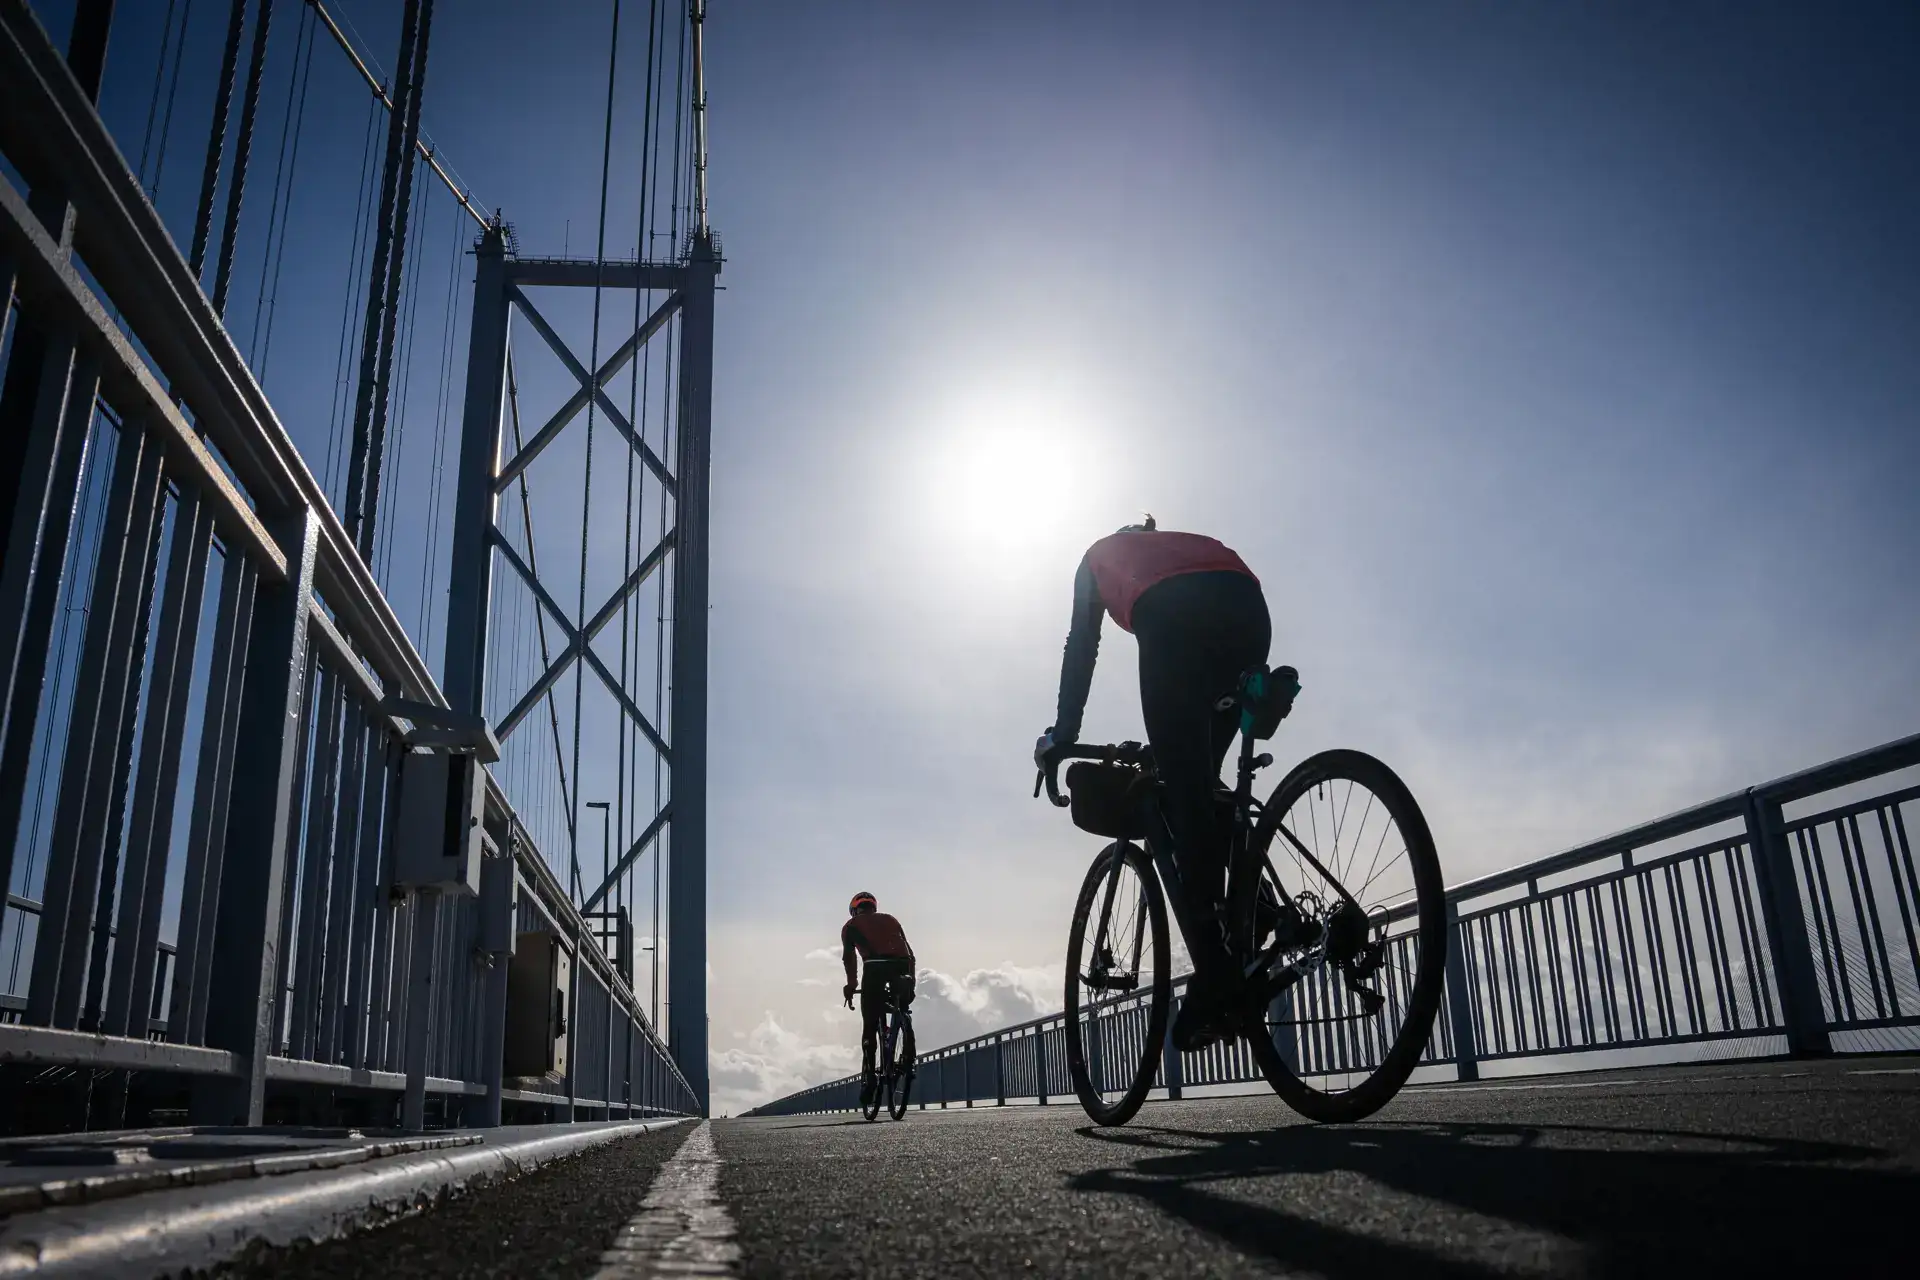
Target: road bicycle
(893,1074)
(1328,959)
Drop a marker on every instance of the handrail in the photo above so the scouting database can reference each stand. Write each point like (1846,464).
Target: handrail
(1890,757)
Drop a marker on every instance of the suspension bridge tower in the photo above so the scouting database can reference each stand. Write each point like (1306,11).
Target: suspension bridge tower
(672,299)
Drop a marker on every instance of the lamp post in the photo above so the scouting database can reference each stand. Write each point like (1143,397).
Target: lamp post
(606,849)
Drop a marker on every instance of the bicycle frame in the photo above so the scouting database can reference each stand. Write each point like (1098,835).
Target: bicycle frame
(1243,872)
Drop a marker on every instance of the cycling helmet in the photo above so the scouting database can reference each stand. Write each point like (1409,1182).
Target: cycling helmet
(862,899)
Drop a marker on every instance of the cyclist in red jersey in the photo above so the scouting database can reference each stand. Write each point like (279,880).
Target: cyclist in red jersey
(881,943)
(1201,620)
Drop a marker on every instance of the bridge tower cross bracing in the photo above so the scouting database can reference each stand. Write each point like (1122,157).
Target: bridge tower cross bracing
(487,471)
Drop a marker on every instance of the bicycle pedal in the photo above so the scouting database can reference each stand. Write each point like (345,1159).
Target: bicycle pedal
(1370,1000)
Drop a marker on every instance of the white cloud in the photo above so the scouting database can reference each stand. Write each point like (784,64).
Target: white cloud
(778,1060)
(949,1008)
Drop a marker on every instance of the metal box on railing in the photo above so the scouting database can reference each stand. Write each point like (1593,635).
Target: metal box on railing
(539,980)
(442,801)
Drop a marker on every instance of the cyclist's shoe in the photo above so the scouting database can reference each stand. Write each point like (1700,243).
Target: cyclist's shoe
(1201,1021)
(868,1087)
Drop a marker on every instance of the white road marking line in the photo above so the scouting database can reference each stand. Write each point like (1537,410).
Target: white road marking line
(682,1229)
(1888,1071)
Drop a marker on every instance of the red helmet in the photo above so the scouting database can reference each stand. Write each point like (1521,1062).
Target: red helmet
(862,899)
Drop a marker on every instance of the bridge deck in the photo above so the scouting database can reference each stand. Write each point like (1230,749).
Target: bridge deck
(1715,1170)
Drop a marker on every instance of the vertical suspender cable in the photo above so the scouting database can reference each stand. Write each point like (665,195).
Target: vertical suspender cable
(173,93)
(243,148)
(390,173)
(593,397)
(341,404)
(217,138)
(376,441)
(159,77)
(295,119)
(698,14)
(636,414)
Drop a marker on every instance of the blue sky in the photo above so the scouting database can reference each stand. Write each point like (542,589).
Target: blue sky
(1552,365)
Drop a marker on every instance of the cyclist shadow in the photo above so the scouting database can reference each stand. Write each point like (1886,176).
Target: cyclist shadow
(1542,1197)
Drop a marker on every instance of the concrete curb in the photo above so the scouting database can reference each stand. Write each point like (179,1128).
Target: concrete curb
(169,1231)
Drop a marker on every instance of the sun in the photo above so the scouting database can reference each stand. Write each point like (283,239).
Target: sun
(1011,476)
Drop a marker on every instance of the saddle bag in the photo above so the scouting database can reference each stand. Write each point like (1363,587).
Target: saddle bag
(1108,799)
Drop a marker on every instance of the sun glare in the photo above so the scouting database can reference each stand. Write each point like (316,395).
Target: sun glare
(1007,481)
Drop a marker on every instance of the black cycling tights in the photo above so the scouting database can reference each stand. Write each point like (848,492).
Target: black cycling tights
(1197,633)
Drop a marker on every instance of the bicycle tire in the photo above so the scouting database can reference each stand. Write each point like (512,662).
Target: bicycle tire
(900,1079)
(1159,998)
(1429,948)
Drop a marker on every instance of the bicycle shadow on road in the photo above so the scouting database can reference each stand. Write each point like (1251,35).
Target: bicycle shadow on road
(1620,1201)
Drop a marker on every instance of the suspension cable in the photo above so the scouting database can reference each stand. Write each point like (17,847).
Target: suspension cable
(391,172)
(382,405)
(173,94)
(593,396)
(635,519)
(424,144)
(293,117)
(362,221)
(429,560)
(159,76)
(217,137)
(533,567)
(243,148)
(401,352)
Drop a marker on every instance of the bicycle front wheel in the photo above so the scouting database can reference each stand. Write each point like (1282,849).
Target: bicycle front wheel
(1345,839)
(1118,984)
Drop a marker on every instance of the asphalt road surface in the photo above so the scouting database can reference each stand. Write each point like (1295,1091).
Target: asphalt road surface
(1754,1169)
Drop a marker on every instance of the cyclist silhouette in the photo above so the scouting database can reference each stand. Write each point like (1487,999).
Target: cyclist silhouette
(1200,619)
(881,943)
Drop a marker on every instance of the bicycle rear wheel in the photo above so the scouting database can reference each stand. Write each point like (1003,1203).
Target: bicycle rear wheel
(1338,1043)
(1118,984)
(900,1079)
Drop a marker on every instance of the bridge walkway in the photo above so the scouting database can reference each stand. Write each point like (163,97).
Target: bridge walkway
(1735,1168)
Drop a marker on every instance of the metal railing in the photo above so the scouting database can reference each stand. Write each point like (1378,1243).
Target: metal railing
(1764,933)
(212,586)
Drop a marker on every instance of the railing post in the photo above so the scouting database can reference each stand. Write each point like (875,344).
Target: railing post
(241,999)
(1040,1063)
(1466,1059)
(1170,1065)
(999,1074)
(498,885)
(1786,929)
